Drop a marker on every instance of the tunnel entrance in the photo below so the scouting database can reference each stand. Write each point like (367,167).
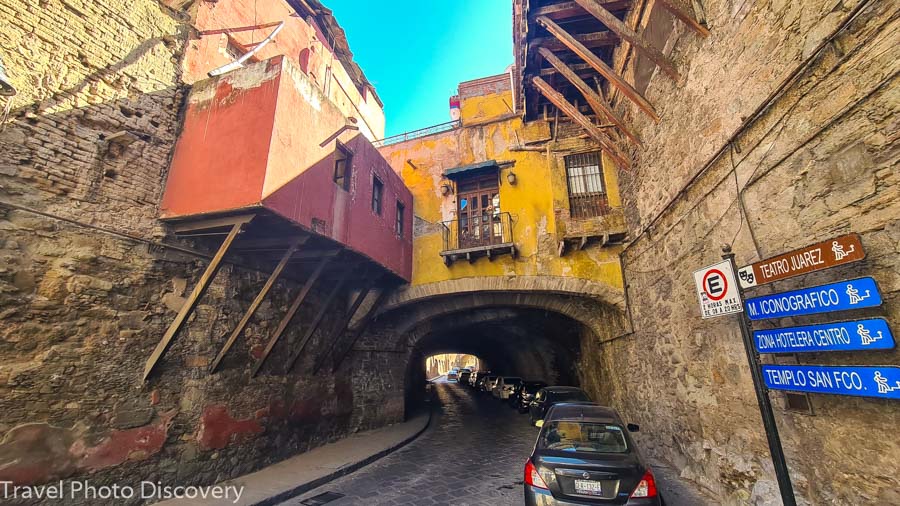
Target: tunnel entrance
(531,343)
(442,363)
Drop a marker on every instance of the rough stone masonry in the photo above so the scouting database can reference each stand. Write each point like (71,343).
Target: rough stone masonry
(795,104)
(88,282)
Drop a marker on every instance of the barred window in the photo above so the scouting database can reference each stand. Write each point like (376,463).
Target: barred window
(587,196)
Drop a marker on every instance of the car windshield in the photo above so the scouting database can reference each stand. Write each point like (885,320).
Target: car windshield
(583,437)
(569,396)
(533,387)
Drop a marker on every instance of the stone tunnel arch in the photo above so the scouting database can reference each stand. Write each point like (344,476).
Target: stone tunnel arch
(538,334)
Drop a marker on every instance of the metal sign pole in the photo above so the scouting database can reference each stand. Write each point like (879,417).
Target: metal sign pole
(765,405)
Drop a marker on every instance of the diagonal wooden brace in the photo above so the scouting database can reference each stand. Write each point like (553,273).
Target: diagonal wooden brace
(569,110)
(363,324)
(599,106)
(339,330)
(257,302)
(638,41)
(191,303)
(298,300)
(685,17)
(600,66)
(318,319)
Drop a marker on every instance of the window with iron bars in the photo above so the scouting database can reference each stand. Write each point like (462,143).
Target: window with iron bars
(587,195)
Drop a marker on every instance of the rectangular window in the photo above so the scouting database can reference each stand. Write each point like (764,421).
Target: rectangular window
(399,225)
(377,194)
(587,196)
(343,166)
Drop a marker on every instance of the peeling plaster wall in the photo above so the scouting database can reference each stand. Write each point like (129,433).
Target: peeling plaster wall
(821,160)
(538,202)
(299,35)
(87,287)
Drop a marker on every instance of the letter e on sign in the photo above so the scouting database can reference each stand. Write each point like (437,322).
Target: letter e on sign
(717,290)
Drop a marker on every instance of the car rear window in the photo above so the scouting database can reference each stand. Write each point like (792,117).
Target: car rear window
(583,437)
(570,396)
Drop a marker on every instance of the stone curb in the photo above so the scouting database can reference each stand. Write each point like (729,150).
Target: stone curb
(343,471)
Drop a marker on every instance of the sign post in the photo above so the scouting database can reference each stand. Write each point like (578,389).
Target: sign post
(762,397)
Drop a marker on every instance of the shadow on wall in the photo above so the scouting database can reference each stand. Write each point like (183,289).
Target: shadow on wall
(82,306)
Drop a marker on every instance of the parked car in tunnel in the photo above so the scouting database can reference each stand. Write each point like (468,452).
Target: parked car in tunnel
(504,386)
(548,396)
(487,385)
(475,379)
(584,455)
(463,376)
(524,394)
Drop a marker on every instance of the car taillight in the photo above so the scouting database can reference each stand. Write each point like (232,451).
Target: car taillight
(646,487)
(532,477)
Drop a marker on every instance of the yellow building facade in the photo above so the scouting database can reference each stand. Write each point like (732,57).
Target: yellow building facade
(495,197)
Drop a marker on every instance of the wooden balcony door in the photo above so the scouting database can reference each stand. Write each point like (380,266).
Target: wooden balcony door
(478,209)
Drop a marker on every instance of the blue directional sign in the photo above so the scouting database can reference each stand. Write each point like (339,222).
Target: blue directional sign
(852,294)
(871,334)
(882,382)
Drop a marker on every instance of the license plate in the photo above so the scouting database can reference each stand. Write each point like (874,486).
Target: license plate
(587,487)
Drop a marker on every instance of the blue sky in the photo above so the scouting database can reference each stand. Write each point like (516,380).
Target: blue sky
(415,52)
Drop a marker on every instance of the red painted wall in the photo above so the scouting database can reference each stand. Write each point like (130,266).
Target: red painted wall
(348,215)
(221,155)
(253,137)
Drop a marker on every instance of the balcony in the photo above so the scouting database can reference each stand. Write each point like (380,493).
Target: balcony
(472,237)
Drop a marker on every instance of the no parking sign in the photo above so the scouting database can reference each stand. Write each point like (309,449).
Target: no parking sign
(717,290)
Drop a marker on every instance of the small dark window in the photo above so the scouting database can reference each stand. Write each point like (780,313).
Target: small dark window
(587,196)
(343,166)
(377,194)
(399,225)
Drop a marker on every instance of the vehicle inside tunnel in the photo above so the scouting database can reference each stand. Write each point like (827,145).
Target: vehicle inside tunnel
(530,343)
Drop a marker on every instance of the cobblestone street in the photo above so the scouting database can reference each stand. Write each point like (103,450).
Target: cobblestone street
(473,454)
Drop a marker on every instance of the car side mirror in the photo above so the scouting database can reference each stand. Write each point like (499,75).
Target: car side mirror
(539,423)
(633,427)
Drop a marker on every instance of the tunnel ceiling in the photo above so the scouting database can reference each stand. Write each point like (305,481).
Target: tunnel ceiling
(532,343)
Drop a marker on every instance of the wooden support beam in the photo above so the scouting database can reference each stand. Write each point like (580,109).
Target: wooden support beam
(564,10)
(599,106)
(227,221)
(600,66)
(577,67)
(256,302)
(590,40)
(335,289)
(314,254)
(191,303)
(685,17)
(341,327)
(286,319)
(267,243)
(562,104)
(638,41)
(360,328)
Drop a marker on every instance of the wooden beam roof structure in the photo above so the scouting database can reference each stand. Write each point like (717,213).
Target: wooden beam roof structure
(601,108)
(570,110)
(600,66)
(570,54)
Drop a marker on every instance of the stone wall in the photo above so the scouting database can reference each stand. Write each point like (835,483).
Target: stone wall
(89,282)
(816,160)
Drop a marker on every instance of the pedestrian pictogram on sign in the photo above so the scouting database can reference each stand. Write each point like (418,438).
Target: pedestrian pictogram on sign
(717,290)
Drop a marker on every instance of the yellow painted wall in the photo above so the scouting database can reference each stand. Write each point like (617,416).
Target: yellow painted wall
(540,193)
